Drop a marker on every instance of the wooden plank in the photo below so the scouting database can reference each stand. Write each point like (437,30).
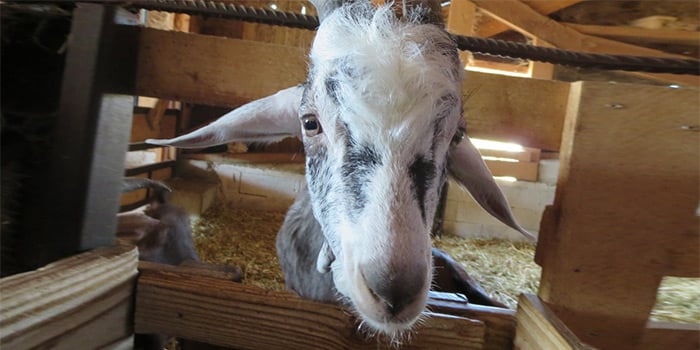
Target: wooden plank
(529,112)
(622,221)
(538,327)
(640,35)
(490,26)
(214,70)
(59,305)
(230,314)
(528,21)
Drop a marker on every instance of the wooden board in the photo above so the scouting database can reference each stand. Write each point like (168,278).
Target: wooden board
(621,220)
(228,72)
(79,302)
(538,327)
(230,314)
(214,70)
(142,130)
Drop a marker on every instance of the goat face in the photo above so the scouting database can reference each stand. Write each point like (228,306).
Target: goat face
(380,117)
(378,114)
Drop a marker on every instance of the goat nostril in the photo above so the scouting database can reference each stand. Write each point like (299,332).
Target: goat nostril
(394,294)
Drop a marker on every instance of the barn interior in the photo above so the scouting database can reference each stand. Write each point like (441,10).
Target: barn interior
(601,164)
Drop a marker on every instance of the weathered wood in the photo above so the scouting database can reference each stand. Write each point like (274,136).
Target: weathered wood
(79,302)
(538,327)
(528,21)
(214,70)
(228,72)
(230,314)
(622,221)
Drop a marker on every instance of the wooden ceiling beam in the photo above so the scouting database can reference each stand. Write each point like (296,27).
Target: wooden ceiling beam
(525,19)
(642,35)
(489,26)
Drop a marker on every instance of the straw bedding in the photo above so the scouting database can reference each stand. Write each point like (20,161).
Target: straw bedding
(246,238)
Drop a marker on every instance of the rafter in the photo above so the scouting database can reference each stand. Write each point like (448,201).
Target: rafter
(489,26)
(525,19)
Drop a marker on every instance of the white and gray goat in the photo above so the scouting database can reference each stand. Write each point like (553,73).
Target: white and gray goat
(381,120)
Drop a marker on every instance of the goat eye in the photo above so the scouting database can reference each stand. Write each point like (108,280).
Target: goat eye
(311,125)
(458,137)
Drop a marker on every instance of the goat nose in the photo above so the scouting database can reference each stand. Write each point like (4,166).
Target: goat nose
(395,290)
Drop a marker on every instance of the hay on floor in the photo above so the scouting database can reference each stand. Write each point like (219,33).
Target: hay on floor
(246,238)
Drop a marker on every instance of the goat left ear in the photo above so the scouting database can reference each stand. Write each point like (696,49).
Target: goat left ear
(268,119)
(468,168)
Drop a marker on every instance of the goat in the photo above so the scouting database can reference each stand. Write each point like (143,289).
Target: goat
(380,116)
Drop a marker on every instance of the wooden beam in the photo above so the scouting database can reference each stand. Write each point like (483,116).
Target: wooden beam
(639,35)
(214,70)
(231,72)
(621,221)
(489,26)
(524,19)
(540,328)
(230,314)
(81,302)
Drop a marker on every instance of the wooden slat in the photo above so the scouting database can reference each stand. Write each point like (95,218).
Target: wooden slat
(141,130)
(526,171)
(640,35)
(79,302)
(528,21)
(526,111)
(214,70)
(241,316)
(622,221)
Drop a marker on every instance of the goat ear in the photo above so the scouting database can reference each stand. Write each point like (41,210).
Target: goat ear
(268,119)
(468,168)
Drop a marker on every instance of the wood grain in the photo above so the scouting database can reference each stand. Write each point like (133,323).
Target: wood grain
(240,316)
(622,220)
(79,302)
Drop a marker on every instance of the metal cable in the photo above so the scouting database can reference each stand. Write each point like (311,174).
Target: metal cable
(480,45)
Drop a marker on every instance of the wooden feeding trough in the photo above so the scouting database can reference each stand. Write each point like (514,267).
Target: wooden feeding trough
(624,215)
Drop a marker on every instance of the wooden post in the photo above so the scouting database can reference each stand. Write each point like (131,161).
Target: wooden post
(460,20)
(624,214)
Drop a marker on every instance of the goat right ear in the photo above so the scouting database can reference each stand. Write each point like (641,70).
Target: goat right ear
(268,119)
